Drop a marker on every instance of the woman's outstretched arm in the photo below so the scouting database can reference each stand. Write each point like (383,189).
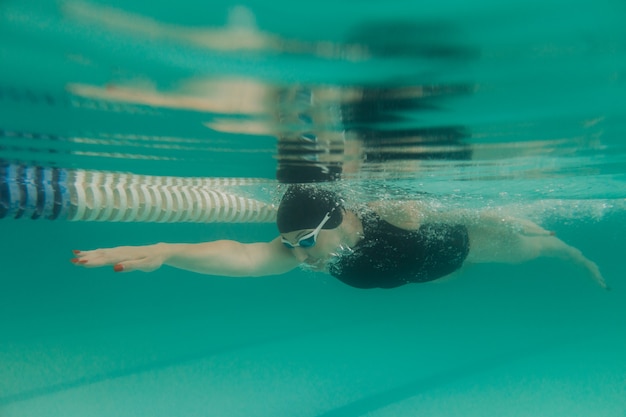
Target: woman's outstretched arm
(494,238)
(222,257)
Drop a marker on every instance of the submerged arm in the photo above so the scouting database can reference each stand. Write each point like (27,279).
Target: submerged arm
(495,238)
(222,257)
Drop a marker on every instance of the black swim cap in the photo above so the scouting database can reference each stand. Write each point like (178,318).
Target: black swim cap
(304,207)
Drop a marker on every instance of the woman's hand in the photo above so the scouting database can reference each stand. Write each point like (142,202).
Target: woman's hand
(123,258)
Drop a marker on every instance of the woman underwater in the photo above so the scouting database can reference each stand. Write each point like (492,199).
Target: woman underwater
(378,245)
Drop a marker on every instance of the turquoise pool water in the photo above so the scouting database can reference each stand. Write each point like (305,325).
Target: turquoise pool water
(516,106)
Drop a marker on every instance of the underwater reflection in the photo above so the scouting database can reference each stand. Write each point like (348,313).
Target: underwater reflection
(395,98)
(365,40)
(350,130)
(324,132)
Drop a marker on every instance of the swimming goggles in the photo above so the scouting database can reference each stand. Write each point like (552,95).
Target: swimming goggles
(310,239)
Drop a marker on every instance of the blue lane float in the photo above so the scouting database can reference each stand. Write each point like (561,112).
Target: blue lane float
(80,195)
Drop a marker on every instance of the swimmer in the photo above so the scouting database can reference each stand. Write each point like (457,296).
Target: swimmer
(379,245)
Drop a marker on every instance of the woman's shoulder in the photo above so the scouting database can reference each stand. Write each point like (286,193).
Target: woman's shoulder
(404,214)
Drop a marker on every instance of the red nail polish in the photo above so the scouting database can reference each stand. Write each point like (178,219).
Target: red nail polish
(118,268)
(75,252)
(74,260)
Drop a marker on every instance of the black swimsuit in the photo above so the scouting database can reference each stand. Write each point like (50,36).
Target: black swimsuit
(389,256)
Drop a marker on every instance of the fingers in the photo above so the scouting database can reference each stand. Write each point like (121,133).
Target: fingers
(90,259)
(99,257)
(120,261)
(596,274)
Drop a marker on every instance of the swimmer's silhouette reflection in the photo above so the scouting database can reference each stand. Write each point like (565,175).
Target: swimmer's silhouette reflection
(415,144)
(332,132)
(325,131)
(311,143)
(338,131)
